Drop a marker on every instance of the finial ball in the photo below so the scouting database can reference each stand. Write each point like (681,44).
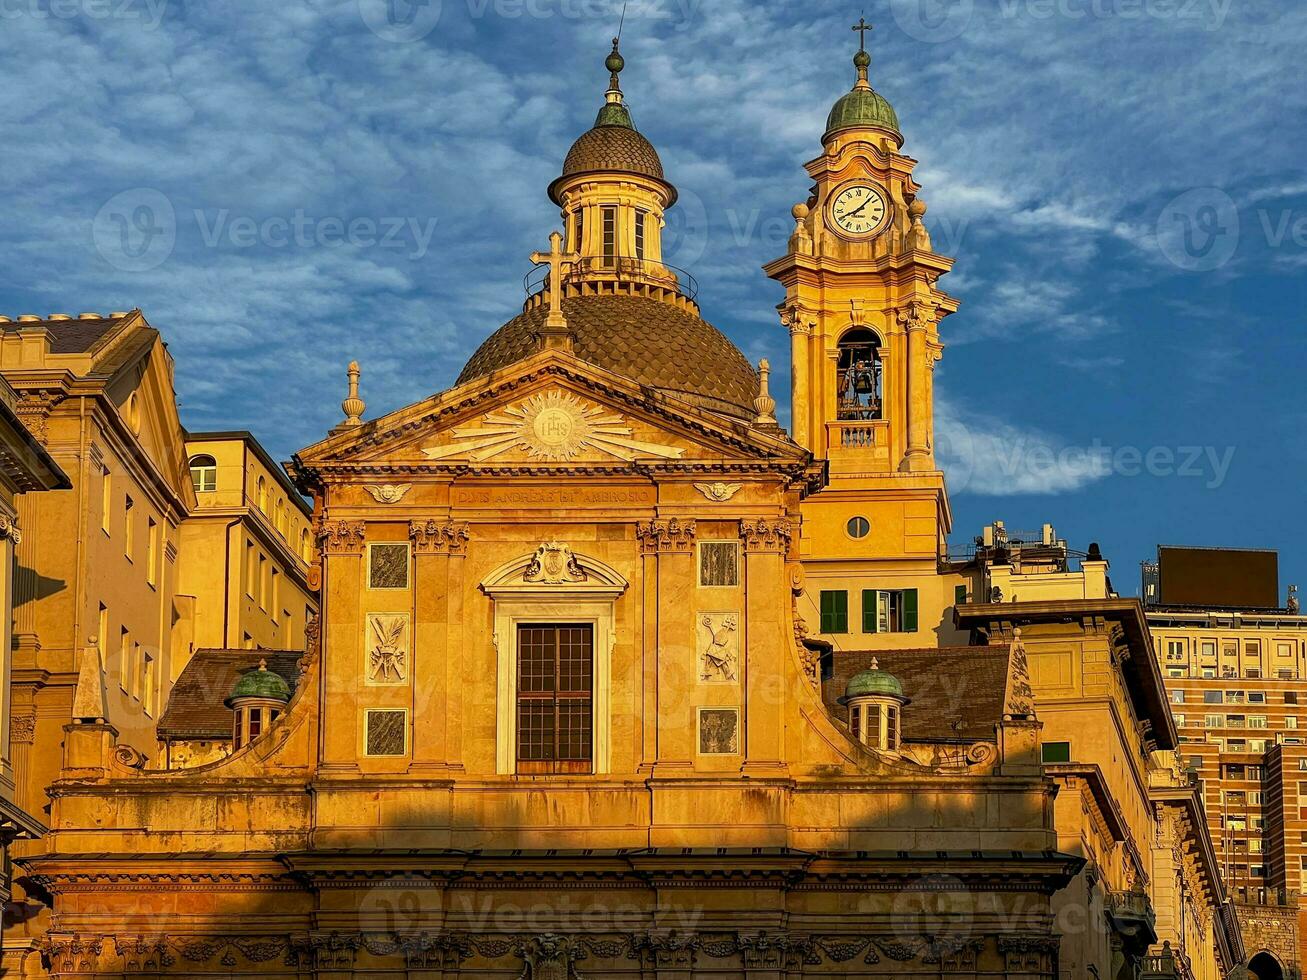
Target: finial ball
(862,60)
(615,62)
(917,208)
(800,211)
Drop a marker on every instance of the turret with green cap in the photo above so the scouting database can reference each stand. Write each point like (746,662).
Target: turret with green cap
(260,683)
(863,106)
(873,682)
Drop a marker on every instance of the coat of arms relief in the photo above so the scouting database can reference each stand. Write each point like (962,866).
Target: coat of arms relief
(552,426)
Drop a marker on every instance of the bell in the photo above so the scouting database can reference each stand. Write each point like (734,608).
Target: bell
(864,383)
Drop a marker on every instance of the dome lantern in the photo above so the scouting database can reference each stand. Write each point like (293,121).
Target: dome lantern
(875,700)
(863,107)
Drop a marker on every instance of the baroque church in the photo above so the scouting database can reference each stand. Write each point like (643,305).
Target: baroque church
(571,706)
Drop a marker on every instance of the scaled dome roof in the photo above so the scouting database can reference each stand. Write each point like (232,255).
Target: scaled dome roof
(260,683)
(647,340)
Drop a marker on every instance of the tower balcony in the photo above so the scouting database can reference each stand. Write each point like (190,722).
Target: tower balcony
(615,275)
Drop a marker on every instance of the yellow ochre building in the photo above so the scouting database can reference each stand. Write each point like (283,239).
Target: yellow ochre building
(609,675)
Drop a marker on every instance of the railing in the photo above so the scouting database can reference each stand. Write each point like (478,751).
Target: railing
(615,268)
(1167,964)
(857,435)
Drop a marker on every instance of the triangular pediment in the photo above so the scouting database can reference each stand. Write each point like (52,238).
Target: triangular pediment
(552,410)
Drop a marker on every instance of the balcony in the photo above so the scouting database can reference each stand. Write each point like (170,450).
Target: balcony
(1167,964)
(1132,916)
(598,275)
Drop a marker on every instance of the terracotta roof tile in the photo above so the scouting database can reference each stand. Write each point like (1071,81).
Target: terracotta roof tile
(646,340)
(957,693)
(195,706)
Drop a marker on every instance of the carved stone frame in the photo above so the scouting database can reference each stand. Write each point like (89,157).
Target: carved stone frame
(517,601)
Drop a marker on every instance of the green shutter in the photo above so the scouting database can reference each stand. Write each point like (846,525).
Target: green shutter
(909,610)
(1055,752)
(869,610)
(960,595)
(834,611)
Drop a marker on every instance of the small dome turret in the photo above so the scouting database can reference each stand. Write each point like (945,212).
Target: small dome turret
(875,700)
(260,683)
(863,107)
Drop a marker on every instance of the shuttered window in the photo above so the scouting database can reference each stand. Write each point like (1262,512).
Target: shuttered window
(834,611)
(889,610)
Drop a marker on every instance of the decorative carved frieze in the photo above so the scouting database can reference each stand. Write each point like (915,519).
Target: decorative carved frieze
(672,535)
(439,537)
(334,951)
(1028,954)
(341,537)
(550,957)
(34,407)
(72,954)
(388,493)
(22,728)
(667,951)
(764,535)
(720,492)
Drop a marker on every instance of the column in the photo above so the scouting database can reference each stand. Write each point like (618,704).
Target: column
(9,538)
(673,542)
(801,393)
(766,643)
(341,547)
(915,318)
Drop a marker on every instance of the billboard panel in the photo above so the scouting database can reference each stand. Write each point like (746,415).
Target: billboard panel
(1219,577)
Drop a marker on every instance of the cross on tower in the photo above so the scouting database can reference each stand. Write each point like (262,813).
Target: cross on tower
(862,27)
(555,258)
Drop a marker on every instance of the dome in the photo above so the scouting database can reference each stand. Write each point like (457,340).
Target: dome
(862,107)
(613,144)
(873,683)
(647,340)
(260,683)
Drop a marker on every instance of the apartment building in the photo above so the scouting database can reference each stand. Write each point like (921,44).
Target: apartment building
(1234,659)
(255,531)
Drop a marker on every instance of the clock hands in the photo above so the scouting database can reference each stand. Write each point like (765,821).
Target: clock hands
(850,214)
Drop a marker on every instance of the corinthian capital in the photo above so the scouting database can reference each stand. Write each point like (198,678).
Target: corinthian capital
(435,537)
(764,535)
(9,529)
(341,537)
(672,535)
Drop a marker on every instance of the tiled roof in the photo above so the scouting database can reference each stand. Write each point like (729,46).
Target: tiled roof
(957,693)
(195,706)
(72,335)
(613,148)
(644,339)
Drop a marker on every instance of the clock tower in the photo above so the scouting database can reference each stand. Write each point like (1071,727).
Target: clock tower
(863,309)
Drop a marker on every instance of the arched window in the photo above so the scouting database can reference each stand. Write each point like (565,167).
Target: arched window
(204,473)
(305,549)
(858,375)
(262,488)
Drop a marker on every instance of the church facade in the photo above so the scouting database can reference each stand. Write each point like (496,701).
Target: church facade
(571,707)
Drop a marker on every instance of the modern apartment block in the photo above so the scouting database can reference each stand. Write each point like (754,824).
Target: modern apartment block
(1235,663)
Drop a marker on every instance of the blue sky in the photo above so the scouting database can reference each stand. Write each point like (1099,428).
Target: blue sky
(284,187)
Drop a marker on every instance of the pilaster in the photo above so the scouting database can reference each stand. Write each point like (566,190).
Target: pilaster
(671,542)
(766,634)
(341,545)
(438,552)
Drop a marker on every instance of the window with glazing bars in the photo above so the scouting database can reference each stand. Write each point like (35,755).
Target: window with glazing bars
(555,692)
(610,234)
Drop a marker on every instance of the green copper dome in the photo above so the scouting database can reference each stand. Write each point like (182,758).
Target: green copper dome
(874,683)
(260,683)
(864,106)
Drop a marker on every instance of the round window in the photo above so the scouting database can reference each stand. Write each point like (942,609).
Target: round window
(858,527)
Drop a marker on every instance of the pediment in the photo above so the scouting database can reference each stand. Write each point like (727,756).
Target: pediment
(555,411)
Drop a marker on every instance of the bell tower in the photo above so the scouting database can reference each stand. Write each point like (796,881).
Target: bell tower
(863,309)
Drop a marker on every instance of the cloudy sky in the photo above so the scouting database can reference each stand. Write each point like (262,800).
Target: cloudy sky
(285,186)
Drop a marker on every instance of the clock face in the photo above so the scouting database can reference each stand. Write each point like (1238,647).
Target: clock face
(860,210)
